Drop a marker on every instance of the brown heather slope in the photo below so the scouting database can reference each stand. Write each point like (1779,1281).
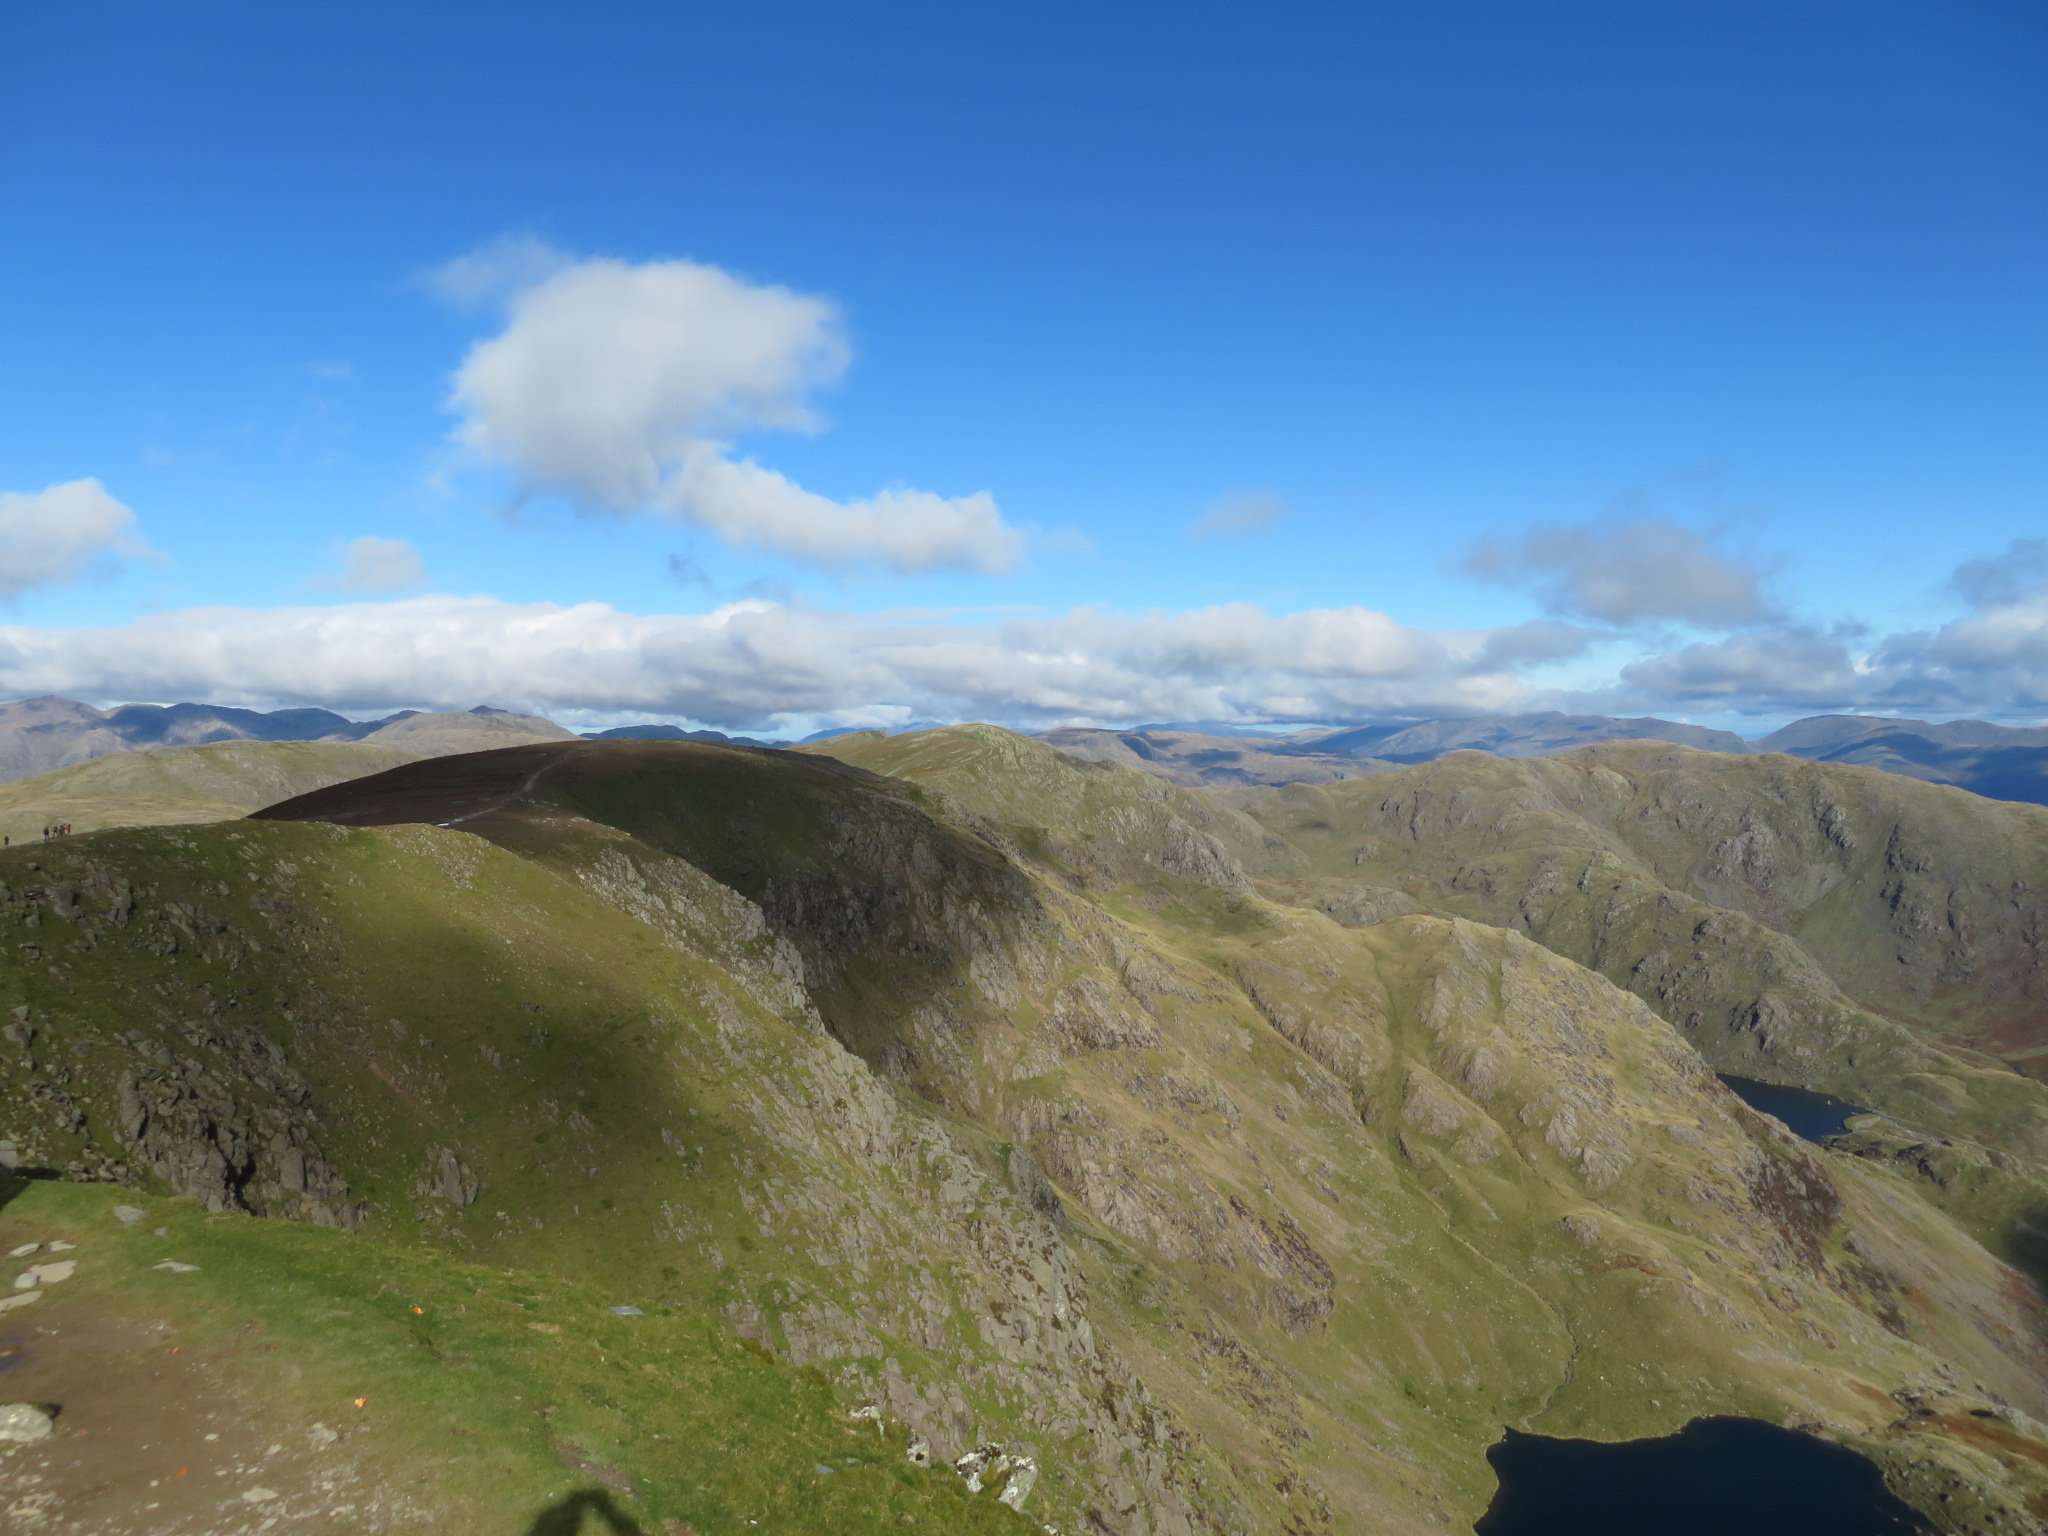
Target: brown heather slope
(990,1092)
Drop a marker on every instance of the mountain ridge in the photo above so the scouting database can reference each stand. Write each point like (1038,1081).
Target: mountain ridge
(999,1090)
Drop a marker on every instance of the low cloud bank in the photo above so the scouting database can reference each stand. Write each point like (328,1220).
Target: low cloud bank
(754,664)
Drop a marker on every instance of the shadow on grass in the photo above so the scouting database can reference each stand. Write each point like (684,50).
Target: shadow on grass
(16,1183)
(2026,1246)
(566,1518)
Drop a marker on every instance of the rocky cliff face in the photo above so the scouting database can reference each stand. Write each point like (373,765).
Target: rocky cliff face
(994,1090)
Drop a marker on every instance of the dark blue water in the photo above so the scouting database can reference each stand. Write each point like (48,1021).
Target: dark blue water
(1715,1477)
(1815,1116)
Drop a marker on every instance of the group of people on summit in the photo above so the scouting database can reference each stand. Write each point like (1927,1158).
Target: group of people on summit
(61,829)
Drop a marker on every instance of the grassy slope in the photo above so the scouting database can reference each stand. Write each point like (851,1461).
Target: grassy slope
(435,992)
(1098,823)
(220,781)
(1347,1202)
(477,1380)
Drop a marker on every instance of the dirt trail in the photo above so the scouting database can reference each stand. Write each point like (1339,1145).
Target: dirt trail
(156,1437)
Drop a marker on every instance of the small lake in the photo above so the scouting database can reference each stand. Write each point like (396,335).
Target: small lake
(1814,1116)
(1715,1477)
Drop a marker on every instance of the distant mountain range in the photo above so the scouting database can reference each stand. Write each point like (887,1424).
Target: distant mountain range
(674,733)
(38,735)
(1997,761)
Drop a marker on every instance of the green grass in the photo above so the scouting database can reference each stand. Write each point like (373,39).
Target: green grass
(469,1401)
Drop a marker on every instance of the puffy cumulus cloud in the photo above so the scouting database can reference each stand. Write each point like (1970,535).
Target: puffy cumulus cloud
(1650,569)
(754,663)
(371,564)
(61,532)
(1238,515)
(607,372)
(624,384)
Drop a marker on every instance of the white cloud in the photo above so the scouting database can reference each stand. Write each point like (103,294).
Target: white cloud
(748,664)
(495,271)
(1650,569)
(767,663)
(624,385)
(58,534)
(906,530)
(371,564)
(1238,514)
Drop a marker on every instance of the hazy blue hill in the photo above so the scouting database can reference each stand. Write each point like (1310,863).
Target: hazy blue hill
(1998,761)
(671,733)
(1540,735)
(179,725)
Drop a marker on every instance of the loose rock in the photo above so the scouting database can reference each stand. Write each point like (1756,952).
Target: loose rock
(23,1422)
(172,1266)
(9,1303)
(128,1215)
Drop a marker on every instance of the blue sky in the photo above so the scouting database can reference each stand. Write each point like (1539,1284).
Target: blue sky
(1317,363)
